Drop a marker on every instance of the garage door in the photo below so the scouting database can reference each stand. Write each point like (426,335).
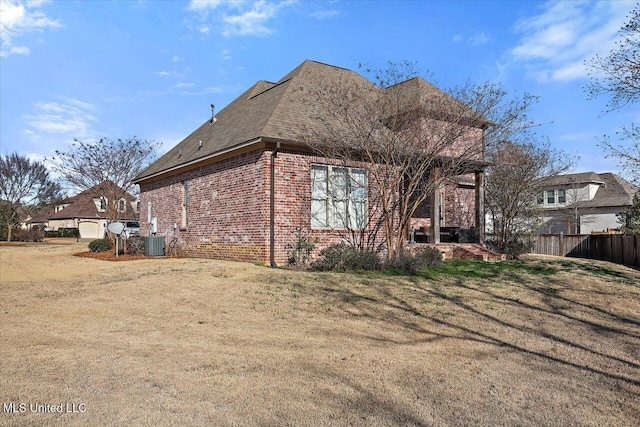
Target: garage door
(88,230)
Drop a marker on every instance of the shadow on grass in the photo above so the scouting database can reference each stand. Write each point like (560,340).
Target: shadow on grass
(595,269)
(430,307)
(460,268)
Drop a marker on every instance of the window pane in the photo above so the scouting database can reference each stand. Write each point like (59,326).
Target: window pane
(358,215)
(339,187)
(358,184)
(340,216)
(551,197)
(318,213)
(540,198)
(562,198)
(319,182)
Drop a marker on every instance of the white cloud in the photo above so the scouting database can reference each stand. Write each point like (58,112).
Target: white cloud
(474,40)
(73,117)
(236,18)
(479,38)
(203,5)
(176,59)
(18,18)
(164,73)
(554,44)
(326,14)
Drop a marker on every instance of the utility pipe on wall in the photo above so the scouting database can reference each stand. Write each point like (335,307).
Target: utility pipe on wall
(272,213)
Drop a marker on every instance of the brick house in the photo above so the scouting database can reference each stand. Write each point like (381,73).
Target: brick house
(244,186)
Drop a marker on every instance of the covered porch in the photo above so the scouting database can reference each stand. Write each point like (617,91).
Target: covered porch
(453,211)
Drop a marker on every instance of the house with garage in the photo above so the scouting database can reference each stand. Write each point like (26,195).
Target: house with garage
(584,203)
(89,211)
(253,178)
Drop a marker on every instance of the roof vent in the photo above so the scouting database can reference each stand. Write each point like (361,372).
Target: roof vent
(199,144)
(213,116)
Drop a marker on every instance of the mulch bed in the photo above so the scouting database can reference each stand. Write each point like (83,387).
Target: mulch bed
(11,244)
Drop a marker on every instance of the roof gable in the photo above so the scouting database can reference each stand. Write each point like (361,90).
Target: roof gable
(82,205)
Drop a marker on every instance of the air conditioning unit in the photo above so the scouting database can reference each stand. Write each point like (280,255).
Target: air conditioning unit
(154,245)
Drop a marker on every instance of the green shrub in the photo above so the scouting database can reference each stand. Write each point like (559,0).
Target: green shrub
(428,257)
(100,245)
(346,258)
(135,245)
(68,232)
(300,251)
(513,248)
(412,262)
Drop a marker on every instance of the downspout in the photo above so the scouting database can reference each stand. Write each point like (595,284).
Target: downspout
(272,213)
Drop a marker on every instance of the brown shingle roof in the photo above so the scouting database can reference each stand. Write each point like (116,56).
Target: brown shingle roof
(267,110)
(613,191)
(83,206)
(574,178)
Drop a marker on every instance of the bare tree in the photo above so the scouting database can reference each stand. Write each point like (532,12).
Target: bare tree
(410,135)
(514,180)
(627,152)
(25,187)
(107,165)
(618,76)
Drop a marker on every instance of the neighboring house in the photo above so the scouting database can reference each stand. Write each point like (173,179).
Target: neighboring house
(584,203)
(245,186)
(87,211)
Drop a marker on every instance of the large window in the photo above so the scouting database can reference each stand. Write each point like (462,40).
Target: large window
(338,197)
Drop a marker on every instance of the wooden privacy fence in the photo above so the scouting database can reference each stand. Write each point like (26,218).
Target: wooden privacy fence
(616,248)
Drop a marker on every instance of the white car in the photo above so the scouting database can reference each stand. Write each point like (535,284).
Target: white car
(131,228)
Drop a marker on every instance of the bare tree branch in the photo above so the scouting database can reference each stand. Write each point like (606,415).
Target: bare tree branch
(108,165)
(25,187)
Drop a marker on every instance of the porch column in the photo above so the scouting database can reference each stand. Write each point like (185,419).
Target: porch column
(435,208)
(480,207)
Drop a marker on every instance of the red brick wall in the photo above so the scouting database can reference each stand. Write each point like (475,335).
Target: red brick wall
(293,205)
(228,207)
(227,210)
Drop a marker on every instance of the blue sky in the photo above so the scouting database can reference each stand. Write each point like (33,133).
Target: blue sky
(88,69)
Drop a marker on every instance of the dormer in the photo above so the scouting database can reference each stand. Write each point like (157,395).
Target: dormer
(101,203)
(58,208)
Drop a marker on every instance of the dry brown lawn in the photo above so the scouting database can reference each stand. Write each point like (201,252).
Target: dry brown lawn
(199,342)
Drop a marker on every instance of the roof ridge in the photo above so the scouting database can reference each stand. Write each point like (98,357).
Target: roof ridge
(273,86)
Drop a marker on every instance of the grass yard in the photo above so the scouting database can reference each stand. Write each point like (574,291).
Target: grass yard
(541,342)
